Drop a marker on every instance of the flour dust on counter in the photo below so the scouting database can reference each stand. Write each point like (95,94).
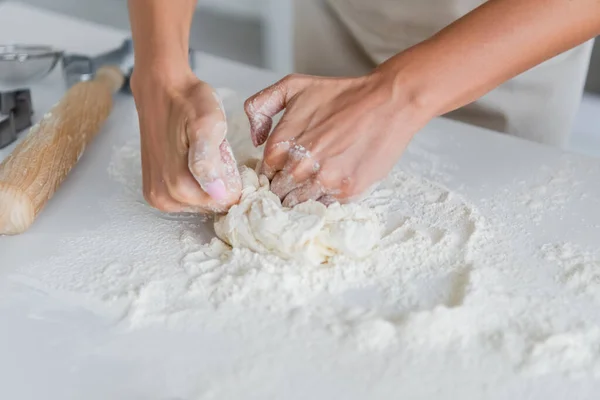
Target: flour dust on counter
(448,280)
(431,281)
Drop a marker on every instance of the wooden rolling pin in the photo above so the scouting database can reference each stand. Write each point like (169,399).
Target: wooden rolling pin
(39,164)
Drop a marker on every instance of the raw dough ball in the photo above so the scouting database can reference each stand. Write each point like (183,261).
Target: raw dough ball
(310,232)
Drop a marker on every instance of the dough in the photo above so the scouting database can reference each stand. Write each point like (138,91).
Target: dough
(309,232)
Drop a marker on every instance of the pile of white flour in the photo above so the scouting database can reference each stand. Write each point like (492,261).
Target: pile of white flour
(428,274)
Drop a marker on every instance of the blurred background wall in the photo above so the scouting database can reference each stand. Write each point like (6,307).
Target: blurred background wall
(256,32)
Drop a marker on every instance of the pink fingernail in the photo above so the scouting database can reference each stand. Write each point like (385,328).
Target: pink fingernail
(216,189)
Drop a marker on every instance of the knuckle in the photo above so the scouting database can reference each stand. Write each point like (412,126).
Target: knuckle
(336,181)
(269,158)
(292,79)
(184,108)
(249,104)
(352,187)
(159,200)
(274,149)
(289,78)
(326,178)
(267,170)
(180,191)
(270,152)
(210,118)
(348,185)
(301,170)
(207,125)
(295,170)
(318,145)
(197,165)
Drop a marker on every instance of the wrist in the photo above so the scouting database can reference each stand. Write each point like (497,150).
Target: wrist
(164,56)
(412,78)
(161,75)
(160,31)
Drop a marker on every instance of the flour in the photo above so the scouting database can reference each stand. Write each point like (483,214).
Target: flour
(579,269)
(447,276)
(550,194)
(311,231)
(429,233)
(576,354)
(432,281)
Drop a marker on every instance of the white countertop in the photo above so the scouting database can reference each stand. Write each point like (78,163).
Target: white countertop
(59,345)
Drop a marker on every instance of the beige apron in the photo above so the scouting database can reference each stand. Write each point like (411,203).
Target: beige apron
(350,37)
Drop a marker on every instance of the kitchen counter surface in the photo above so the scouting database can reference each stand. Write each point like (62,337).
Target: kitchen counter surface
(67,335)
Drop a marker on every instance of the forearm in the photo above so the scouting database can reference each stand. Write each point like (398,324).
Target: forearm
(492,44)
(161,30)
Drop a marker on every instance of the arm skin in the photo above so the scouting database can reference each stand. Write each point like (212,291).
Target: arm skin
(352,131)
(490,45)
(187,164)
(161,30)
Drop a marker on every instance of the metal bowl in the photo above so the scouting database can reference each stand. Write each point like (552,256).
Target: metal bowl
(21,65)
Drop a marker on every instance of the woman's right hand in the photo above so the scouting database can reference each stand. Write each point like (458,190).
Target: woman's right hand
(187,164)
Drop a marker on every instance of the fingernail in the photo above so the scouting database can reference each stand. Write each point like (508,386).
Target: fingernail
(215,189)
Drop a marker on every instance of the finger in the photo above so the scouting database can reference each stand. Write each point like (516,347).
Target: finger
(187,196)
(204,157)
(299,167)
(230,171)
(220,106)
(282,184)
(185,191)
(281,148)
(175,200)
(263,106)
(228,159)
(164,203)
(327,200)
(301,164)
(311,190)
(274,158)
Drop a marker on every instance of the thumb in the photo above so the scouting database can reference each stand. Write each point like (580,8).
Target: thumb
(204,156)
(263,106)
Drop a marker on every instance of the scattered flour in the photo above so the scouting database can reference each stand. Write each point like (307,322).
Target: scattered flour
(445,277)
(579,270)
(550,194)
(576,354)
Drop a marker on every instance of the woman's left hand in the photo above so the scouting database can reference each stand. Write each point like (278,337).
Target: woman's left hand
(337,137)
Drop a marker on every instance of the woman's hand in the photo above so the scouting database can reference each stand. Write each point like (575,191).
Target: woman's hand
(187,164)
(338,136)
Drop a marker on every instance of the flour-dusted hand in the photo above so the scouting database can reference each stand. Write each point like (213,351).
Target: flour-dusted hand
(337,137)
(187,163)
